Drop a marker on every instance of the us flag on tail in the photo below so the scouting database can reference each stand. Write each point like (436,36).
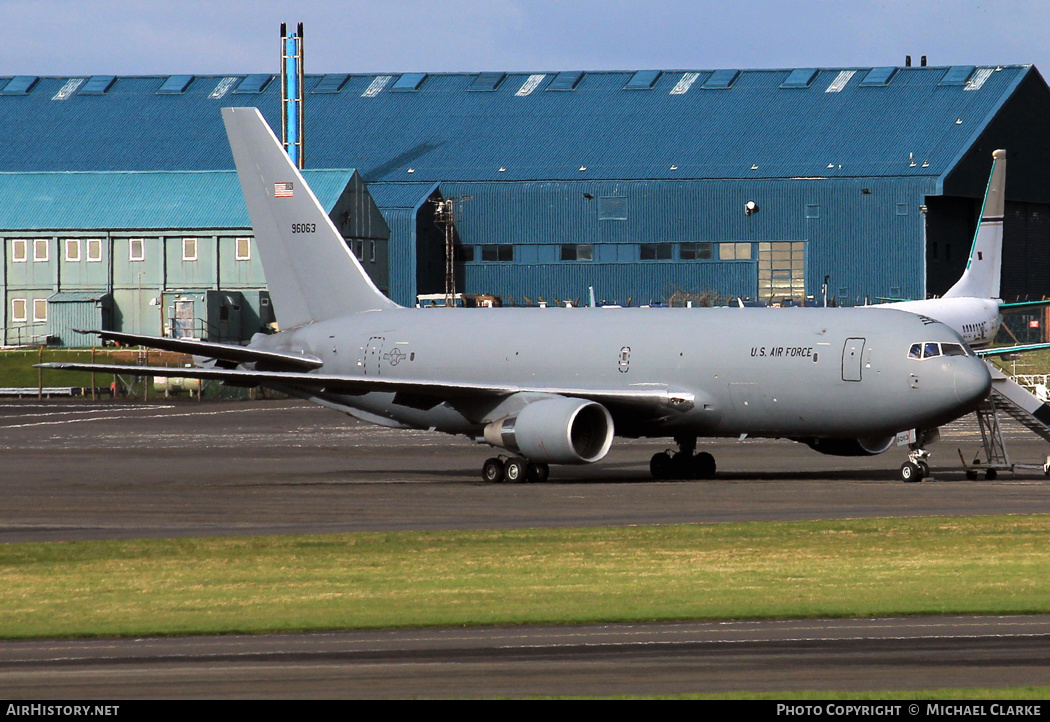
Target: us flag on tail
(282,190)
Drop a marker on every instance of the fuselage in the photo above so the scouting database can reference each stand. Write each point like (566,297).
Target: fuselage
(977,320)
(789,373)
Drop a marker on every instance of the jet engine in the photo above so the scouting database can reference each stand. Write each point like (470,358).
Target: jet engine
(850,447)
(555,430)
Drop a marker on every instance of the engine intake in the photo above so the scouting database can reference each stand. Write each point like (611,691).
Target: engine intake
(555,431)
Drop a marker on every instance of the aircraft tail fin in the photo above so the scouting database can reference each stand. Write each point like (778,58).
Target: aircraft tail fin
(310,271)
(984,269)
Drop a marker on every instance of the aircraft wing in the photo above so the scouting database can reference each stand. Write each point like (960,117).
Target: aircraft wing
(227,355)
(417,393)
(1002,350)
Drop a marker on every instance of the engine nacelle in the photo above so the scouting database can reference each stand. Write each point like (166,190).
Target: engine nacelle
(850,447)
(555,431)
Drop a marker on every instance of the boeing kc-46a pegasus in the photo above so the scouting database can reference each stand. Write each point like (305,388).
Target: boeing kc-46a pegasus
(554,386)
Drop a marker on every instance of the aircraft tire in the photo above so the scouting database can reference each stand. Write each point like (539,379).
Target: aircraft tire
(538,473)
(704,466)
(910,472)
(924,468)
(516,470)
(660,465)
(492,471)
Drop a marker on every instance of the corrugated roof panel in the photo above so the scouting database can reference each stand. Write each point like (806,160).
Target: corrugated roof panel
(566,80)
(97,85)
(20,85)
(114,200)
(331,83)
(408,83)
(721,79)
(444,133)
(800,78)
(254,83)
(487,81)
(877,77)
(957,75)
(643,80)
(175,85)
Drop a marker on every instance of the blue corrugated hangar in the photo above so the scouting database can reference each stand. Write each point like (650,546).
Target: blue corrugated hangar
(649,186)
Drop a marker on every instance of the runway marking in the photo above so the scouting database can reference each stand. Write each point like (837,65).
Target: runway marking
(137,416)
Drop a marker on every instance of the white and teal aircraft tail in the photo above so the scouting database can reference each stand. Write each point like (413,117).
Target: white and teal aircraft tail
(971,306)
(557,385)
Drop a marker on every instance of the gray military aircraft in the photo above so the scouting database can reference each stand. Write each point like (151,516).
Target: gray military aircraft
(553,386)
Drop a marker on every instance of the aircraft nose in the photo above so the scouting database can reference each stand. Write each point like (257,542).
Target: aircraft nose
(972,381)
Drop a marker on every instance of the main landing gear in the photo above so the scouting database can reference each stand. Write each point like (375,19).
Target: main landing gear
(513,470)
(684,463)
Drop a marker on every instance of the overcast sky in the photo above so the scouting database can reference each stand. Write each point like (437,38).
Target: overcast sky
(218,37)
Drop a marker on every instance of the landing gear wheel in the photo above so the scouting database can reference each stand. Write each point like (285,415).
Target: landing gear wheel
(660,465)
(910,472)
(538,473)
(703,466)
(492,471)
(516,470)
(924,468)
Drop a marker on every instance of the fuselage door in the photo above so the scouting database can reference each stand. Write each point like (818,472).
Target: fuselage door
(852,359)
(373,355)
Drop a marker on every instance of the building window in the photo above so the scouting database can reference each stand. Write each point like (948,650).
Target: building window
(734,251)
(372,251)
(189,249)
(40,249)
(781,270)
(94,250)
(40,309)
(463,254)
(577,252)
(360,249)
(695,251)
(502,252)
(136,249)
(18,309)
(244,249)
(655,252)
(72,249)
(19,254)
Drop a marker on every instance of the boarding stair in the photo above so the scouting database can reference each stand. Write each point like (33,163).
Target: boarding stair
(1014,400)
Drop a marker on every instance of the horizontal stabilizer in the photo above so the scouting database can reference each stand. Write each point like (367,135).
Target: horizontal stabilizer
(221,352)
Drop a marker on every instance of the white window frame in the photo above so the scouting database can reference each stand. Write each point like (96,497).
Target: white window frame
(19,250)
(189,249)
(39,310)
(94,250)
(246,255)
(19,310)
(132,244)
(372,251)
(72,244)
(41,243)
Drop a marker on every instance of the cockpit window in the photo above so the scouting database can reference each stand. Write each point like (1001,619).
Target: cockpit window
(932,349)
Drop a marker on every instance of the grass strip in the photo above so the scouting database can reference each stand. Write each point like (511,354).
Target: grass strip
(866,567)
